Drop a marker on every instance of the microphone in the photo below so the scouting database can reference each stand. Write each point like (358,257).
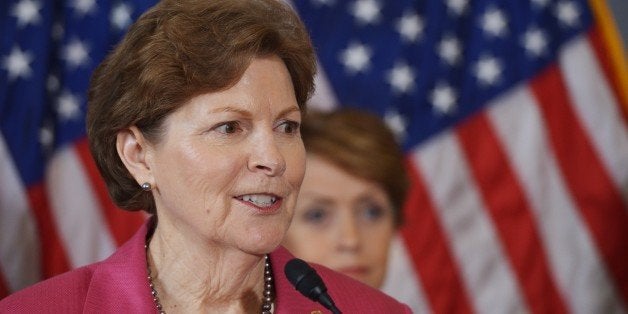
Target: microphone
(305,279)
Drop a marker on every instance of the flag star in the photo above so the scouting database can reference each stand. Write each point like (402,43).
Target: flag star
(17,63)
(443,99)
(494,22)
(76,54)
(567,13)
(458,7)
(356,58)
(52,83)
(366,11)
(449,50)
(488,70)
(535,42)
(401,78)
(397,123)
(83,7)
(46,136)
(57,31)
(68,106)
(410,26)
(121,16)
(27,12)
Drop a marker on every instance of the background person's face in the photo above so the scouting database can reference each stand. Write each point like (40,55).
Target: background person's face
(343,222)
(228,170)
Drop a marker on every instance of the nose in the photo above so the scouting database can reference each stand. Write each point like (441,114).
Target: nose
(349,235)
(266,156)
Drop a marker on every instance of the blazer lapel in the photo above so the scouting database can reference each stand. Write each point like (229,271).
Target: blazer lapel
(119,283)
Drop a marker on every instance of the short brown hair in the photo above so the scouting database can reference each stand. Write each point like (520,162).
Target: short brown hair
(175,51)
(361,144)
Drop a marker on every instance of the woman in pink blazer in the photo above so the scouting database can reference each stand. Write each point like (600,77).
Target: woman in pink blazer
(118,285)
(194,117)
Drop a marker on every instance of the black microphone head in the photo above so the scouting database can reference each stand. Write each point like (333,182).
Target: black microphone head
(305,279)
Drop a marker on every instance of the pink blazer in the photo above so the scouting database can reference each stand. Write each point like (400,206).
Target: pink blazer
(119,285)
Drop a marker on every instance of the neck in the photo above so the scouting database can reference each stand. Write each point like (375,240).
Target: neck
(191,276)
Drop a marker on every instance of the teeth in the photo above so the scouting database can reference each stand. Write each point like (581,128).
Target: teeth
(260,200)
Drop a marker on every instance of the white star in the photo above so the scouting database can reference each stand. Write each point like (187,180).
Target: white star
(57,31)
(356,58)
(449,50)
(366,11)
(76,54)
(535,42)
(121,16)
(68,106)
(458,7)
(494,22)
(17,64)
(443,99)
(488,70)
(397,123)
(568,13)
(83,7)
(46,136)
(401,78)
(52,83)
(26,12)
(410,26)
(319,3)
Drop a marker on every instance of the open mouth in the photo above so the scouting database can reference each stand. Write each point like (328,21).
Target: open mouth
(259,200)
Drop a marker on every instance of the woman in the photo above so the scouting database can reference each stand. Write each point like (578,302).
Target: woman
(195,118)
(349,207)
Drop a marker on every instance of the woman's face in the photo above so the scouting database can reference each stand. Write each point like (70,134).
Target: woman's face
(229,167)
(343,222)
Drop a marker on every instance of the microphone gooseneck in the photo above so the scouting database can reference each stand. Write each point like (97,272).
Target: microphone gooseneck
(305,279)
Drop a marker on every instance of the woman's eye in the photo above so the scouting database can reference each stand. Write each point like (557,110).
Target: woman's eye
(373,212)
(315,215)
(289,127)
(228,127)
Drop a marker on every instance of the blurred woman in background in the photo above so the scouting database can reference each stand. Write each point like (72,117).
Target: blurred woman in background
(349,207)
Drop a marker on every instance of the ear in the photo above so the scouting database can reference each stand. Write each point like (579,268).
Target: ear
(134,151)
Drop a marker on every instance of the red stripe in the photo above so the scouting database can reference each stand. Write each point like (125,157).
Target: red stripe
(600,50)
(53,256)
(511,213)
(597,199)
(428,247)
(122,224)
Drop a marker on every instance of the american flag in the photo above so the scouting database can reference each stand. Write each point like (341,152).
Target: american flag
(513,115)
(513,119)
(55,213)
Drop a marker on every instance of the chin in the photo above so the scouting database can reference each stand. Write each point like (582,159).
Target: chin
(265,242)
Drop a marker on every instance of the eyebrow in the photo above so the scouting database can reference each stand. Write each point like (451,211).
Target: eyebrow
(228,109)
(282,113)
(318,197)
(287,111)
(362,197)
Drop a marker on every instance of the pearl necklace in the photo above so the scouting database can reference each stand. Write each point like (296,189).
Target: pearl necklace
(268,296)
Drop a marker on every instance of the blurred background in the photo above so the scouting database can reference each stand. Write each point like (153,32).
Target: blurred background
(619,10)
(513,116)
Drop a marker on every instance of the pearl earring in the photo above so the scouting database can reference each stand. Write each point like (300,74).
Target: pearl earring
(146,186)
